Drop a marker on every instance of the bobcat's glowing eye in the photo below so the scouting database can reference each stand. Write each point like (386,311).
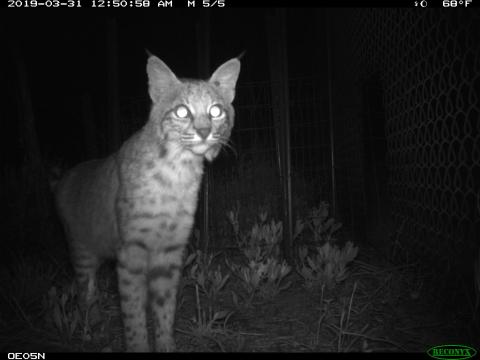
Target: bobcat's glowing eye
(216,111)
(182,112)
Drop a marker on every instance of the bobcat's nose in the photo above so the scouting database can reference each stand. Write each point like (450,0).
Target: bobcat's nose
(204,132)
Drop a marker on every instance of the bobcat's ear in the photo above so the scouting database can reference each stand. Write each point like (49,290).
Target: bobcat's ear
(160,78)
(225,78)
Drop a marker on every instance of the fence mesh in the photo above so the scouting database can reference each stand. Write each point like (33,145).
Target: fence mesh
(425,67)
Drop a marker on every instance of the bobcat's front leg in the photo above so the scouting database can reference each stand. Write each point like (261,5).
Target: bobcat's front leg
(132,269)
(163,277)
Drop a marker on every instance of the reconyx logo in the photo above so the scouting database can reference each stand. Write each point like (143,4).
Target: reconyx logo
(451,352)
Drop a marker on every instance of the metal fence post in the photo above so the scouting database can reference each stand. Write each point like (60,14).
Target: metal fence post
(276,30)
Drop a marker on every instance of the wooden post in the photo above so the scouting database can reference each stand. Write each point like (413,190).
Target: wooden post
(89,127)
(203,58)
(277,50)
(113,101)
(33,158)
(328,25)
(33,171)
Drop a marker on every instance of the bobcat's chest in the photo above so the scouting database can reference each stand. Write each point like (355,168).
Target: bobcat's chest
(160,202)
(166,182)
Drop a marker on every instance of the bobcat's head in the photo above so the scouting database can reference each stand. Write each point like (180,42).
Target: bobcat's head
(193,115)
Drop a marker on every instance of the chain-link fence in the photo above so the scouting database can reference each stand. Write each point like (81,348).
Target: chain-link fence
(412,132)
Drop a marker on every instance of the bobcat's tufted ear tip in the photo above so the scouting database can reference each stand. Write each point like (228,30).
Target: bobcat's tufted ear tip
(242,54)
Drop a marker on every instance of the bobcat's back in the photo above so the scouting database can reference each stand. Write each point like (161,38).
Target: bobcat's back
(85,199)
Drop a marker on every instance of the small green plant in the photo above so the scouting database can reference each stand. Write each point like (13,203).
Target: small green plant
(321,226)
(266,237)
(211,281)
(207,323)
(63,313)
(327,265)
(263,279)
(263,273)
(262,241)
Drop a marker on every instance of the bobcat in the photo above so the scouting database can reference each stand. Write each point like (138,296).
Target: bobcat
(138,204)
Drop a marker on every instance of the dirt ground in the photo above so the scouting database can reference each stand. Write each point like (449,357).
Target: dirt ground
(378,308)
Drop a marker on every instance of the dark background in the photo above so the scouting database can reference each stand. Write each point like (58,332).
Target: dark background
(65,54)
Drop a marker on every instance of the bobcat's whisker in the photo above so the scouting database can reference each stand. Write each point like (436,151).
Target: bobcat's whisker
(226,144)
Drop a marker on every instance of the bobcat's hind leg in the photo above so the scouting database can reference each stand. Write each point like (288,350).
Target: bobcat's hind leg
(85,265)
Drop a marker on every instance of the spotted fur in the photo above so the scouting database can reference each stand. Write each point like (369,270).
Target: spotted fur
(138,204)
